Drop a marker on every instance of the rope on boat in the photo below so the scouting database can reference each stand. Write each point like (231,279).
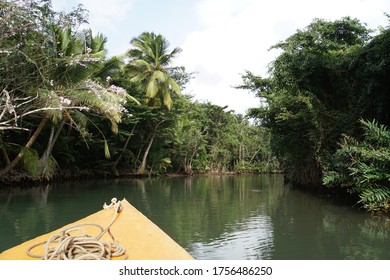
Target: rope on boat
(68,246)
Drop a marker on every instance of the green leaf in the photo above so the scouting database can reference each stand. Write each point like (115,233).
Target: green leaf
(106,150)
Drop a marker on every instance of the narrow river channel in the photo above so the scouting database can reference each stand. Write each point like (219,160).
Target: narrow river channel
(212,217)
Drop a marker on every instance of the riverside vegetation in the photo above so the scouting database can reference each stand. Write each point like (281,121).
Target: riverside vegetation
(67,110)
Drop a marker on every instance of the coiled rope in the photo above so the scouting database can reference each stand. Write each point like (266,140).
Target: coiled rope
(68,246)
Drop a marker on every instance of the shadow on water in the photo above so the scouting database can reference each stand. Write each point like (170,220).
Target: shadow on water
(213,217)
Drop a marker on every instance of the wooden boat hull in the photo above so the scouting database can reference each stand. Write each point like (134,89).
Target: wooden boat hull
(141,238)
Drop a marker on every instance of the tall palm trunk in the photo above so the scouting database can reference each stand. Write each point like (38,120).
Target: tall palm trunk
(50,145)
(30,142)
(141,169)
(52,140)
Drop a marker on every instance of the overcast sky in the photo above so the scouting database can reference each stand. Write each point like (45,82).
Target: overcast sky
(219,38)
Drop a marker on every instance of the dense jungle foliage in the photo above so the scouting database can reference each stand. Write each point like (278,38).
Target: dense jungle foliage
(66,109)
(328,108)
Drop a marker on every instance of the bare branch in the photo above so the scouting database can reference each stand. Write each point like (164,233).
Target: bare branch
(13,128)
(4,123)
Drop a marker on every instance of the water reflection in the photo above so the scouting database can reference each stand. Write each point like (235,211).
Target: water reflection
(217,217)
(25,212)
(310,227)
(251,240)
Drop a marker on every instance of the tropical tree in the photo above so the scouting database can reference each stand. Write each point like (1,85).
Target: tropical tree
(148,67)
(61,67)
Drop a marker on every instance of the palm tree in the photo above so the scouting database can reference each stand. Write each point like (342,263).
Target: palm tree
(83,61)
(149,67)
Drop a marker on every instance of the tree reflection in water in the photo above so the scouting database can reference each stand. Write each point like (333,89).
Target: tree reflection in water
(213,217)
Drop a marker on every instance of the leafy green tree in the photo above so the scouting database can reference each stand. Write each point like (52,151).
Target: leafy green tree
(307,100)
(222,140)
(367,79)
(207,138)
(188,136)
(254,150)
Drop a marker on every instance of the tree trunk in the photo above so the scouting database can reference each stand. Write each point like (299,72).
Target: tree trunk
(141,169)
(4,151)
(52,141)
(254,155)
(124,148)
(30,142)
(50,145)
(47,152)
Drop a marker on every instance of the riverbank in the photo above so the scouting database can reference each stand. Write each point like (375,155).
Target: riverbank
(23,179)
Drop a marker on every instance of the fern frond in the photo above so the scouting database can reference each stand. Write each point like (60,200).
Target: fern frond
(375,199)
(375,132)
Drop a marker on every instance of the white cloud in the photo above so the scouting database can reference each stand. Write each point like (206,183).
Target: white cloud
(215,12)
(237,35)
(220,52)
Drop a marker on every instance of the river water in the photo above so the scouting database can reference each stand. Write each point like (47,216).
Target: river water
(212,217)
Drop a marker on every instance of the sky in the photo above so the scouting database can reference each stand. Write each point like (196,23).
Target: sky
(220,39)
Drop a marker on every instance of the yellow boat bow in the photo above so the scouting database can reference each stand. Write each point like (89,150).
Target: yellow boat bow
(141,238)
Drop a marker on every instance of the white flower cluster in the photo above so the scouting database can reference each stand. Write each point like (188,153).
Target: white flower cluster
(65,101)
(82,60)
(8,106)
(5,51)
(112,99)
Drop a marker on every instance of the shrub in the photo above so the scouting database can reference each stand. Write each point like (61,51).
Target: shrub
(364,167)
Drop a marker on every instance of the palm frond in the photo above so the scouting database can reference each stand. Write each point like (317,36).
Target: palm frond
(108,68)
(140,65)
(149,56)
(114,125)
(167,100)
(98,43)
(79,120)
(152,88)
(173,85)
(133,99)
(159,76)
